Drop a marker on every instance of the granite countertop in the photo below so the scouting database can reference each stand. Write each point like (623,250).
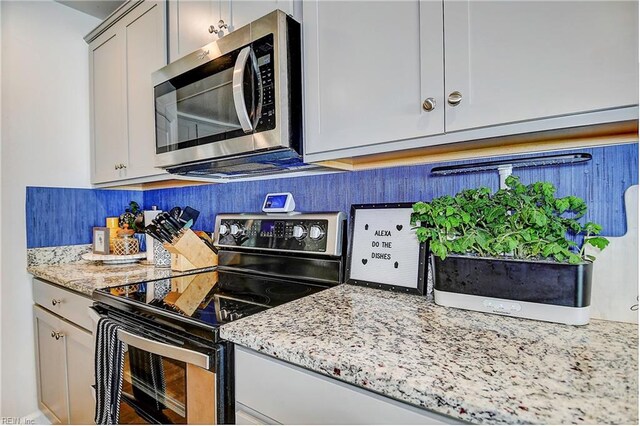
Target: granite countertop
(475,367)
(84,277)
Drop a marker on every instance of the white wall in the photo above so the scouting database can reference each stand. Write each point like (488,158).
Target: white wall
(45,142)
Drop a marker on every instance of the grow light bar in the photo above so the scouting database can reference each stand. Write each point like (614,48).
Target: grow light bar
(505,167)
(549,160)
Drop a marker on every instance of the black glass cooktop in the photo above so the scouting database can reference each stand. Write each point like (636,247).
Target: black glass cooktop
(212,298)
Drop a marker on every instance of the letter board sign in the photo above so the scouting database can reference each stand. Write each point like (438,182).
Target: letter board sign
(384,251)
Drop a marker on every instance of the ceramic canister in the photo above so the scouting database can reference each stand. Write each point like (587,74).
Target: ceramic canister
(161,257)
(149,215)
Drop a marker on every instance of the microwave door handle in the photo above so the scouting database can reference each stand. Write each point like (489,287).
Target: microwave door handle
(168,351)
(238,87)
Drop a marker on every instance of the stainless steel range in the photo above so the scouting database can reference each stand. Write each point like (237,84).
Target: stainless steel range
(171,326)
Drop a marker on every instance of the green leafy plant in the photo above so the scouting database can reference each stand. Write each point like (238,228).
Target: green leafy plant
(132,217)
(521,222)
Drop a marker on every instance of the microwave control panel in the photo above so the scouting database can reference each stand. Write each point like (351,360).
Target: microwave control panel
(264,53)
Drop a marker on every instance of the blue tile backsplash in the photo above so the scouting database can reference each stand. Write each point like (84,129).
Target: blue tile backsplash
(601,182)
(63,216)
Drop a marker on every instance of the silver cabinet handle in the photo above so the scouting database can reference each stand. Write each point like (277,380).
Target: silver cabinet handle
(115,167)
(222,25)
(57,335)
(123,166)
(55,302)
(454,98)
(164,350)
(238,89)
(429,104)
(213,29)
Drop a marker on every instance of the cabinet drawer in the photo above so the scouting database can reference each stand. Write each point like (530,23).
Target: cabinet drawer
(280,392)
(69,305)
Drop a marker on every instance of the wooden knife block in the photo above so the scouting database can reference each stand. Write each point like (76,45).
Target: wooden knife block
(190,252)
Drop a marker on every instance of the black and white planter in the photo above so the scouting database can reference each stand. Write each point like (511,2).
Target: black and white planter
(540,290)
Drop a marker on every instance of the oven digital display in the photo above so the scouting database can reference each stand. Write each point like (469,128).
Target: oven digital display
(267,226)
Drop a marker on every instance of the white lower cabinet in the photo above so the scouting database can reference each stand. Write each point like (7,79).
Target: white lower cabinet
(64,363)
(269,391)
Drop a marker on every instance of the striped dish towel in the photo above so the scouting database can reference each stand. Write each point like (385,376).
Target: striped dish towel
(109,367)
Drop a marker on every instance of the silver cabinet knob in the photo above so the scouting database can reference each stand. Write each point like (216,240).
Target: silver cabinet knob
(123,166)
(115,167)
(57,335)
(429,104)
(55,302)
(222,25)
(213,29)
(454,98)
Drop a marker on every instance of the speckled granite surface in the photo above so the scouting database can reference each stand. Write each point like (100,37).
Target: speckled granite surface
(56,255)
(85,277)
(476,367)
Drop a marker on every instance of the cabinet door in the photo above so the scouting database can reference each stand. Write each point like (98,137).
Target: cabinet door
(50,366)
(144,29)
(523,60)
(243,12)
(109,109)
(369,66)
(189,22)
(80,359)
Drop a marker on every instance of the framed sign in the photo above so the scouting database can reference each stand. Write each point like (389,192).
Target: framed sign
(100,240)
(384,252)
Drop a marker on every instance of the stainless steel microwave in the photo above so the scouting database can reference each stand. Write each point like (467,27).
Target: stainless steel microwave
(233,107)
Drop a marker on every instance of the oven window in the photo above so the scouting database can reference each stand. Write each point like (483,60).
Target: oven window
(154,389)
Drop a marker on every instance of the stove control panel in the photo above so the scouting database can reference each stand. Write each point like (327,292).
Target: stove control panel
(320,233)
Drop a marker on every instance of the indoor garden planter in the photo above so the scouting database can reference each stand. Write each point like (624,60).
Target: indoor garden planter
(511,253)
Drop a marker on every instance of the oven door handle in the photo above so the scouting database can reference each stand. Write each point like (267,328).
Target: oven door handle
(168,351)
(238,89)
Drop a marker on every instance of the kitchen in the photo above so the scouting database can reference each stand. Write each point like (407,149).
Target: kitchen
(46,129)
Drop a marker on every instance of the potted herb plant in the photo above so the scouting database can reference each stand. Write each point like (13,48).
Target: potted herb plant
(518,251)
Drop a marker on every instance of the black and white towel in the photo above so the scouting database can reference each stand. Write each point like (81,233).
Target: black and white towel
(109,367)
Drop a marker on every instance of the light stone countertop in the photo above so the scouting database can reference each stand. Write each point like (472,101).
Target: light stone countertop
(85,277)
(475,367)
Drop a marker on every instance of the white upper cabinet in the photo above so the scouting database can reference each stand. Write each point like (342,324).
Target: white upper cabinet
(192,24)
(195,23)
(146,53)
(525,60)
(121,61)
(485,68)
(108,107)
(243,12)
(368,69)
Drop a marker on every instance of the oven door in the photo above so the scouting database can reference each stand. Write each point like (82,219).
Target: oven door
(164,383)
(213,110)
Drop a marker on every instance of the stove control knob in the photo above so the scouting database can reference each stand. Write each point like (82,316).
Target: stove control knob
(237,230)
(316,232)
(224,229)
(299,232)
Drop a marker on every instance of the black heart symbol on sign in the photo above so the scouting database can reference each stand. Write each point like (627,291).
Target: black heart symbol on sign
(395,265)
(366,227)
(364,261)
(399,227)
